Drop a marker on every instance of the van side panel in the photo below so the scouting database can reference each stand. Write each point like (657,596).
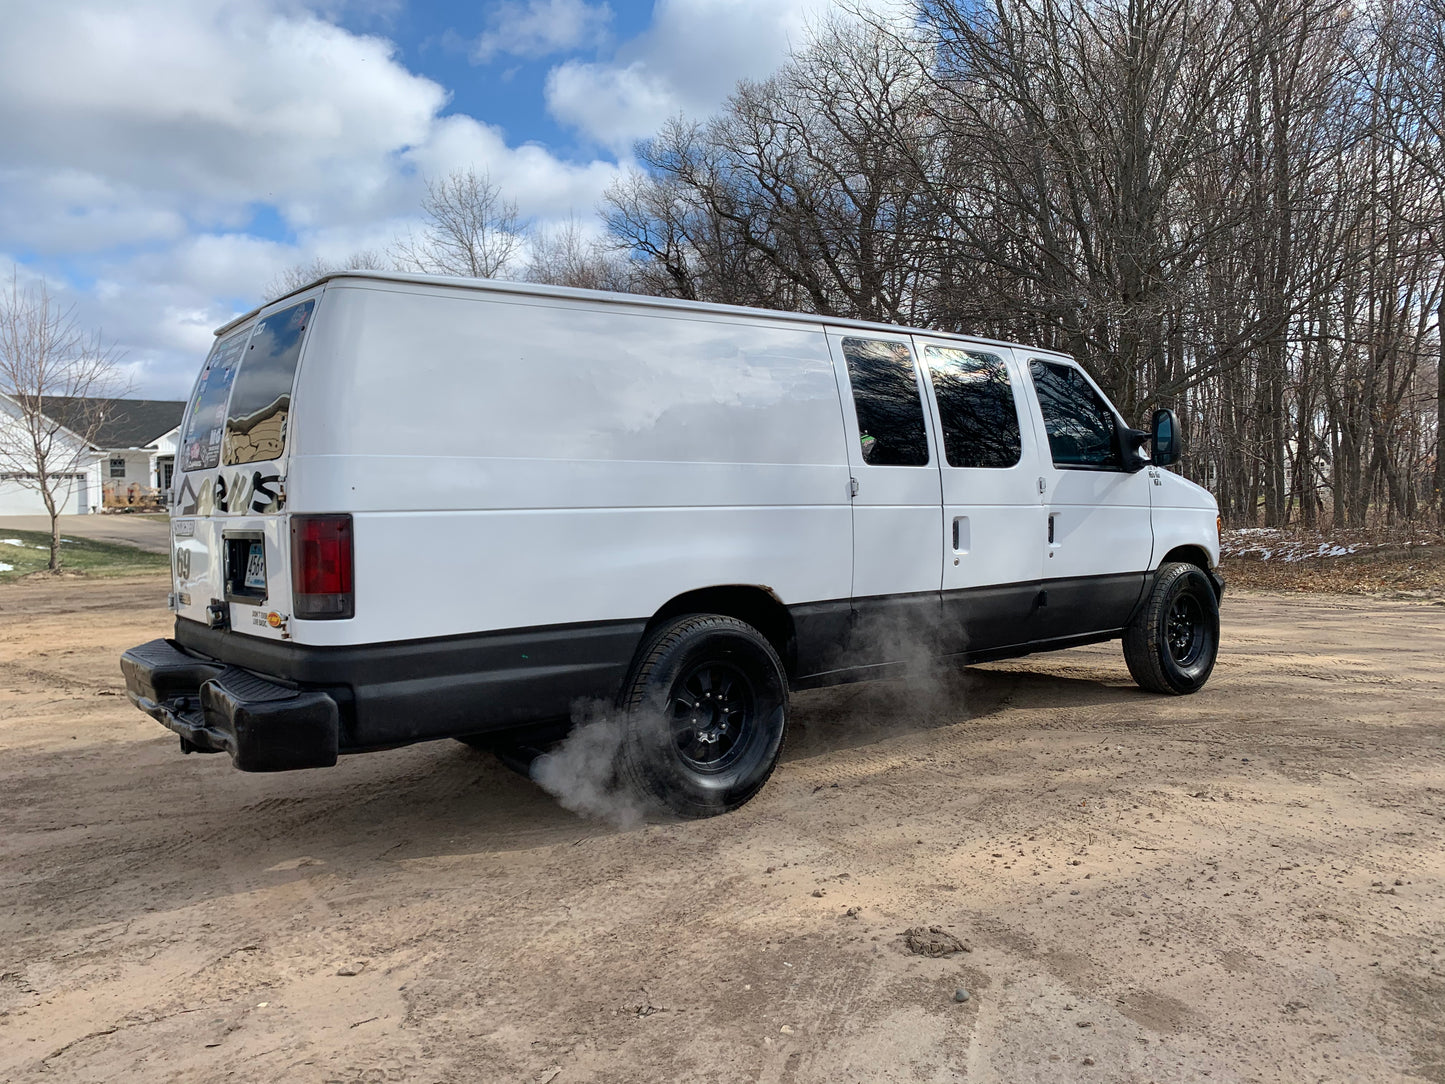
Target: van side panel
(524,462)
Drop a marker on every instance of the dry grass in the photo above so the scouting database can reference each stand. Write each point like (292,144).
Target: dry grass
(1388,565)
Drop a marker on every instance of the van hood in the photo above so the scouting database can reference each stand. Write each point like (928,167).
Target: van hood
(1180,492)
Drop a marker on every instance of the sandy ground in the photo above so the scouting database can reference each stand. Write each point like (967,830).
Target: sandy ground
(1243,885)
(152,534)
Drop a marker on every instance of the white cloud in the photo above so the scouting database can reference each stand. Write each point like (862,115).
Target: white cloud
(688,61)
(540,28)
(540,183)
(138,140)
(73,210)
(195,106)
(616,105)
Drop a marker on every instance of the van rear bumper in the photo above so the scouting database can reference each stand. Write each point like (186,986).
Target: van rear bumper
(215,708)
(509,683)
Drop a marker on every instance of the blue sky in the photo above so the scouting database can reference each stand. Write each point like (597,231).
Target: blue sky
(162,161)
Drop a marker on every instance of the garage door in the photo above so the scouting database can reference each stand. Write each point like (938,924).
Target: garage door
(19,500)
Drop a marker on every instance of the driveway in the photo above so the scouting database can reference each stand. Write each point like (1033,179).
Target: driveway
(148,533)
(1242,885)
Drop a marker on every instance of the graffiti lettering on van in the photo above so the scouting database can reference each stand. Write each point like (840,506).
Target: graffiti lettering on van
(264,497)
(241,492)
(186,500)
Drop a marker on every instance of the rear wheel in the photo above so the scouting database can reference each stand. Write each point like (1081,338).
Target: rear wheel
(707,708)
(1174,640)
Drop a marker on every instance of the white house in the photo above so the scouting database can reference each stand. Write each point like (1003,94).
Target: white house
(132,453)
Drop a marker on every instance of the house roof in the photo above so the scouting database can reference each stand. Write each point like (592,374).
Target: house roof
(124,423)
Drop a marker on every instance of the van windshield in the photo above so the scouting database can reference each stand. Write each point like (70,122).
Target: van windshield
(201,449)
(261,398)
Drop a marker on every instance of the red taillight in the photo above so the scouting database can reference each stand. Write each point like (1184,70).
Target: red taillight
(321,567)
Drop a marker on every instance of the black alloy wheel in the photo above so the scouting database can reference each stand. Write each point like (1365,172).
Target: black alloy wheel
(1187,633)
(713,715)
(707,711)
(1174,639)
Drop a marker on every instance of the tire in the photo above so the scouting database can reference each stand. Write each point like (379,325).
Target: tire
(707,711)
(1174,639)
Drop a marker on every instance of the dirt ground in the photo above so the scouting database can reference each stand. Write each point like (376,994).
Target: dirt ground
(1243,885)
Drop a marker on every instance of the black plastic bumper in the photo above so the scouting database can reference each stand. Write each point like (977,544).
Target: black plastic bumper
(266,727)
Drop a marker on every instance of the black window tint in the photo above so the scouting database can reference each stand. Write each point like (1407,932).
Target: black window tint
(1081,427)
(886,397)
(206,418)
(261,401)
(976,405)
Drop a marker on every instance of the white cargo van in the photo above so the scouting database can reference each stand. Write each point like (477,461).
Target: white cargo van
(413,508)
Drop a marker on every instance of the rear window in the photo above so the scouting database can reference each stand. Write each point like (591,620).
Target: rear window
(261,398)
(201,449)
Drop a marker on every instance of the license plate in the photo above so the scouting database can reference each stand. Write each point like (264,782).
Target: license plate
(256,567)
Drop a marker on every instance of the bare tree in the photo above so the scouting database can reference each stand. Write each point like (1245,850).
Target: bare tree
(303,274)
(472,231)
(1413,38)
(567,256)
(44,354)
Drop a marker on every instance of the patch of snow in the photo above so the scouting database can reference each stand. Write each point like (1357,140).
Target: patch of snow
(11,542)
(1285,550)
(6,568)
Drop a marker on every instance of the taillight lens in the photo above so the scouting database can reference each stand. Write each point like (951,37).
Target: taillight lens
(321,566)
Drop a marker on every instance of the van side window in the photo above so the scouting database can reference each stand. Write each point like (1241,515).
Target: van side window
(888,403)
(976,405)
(1082,429)
(206,416)
(261,399)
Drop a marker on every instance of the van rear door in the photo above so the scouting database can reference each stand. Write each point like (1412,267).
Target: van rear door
(230,542)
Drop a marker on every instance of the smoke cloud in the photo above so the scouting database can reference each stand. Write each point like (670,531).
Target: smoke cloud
(581,772)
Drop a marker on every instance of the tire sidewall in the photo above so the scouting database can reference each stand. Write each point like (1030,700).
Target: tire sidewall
(1191,581)
(650,746)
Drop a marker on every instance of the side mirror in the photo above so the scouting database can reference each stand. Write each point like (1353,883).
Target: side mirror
(1164,438)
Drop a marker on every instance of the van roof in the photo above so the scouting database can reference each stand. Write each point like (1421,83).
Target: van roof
(529,289)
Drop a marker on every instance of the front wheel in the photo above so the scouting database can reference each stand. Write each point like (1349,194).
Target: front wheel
(1173,642)
(707,709)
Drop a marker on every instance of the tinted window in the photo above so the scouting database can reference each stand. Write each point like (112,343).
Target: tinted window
(976,405)
(1081,427)
(206,418)
(886,397)
(261,401)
